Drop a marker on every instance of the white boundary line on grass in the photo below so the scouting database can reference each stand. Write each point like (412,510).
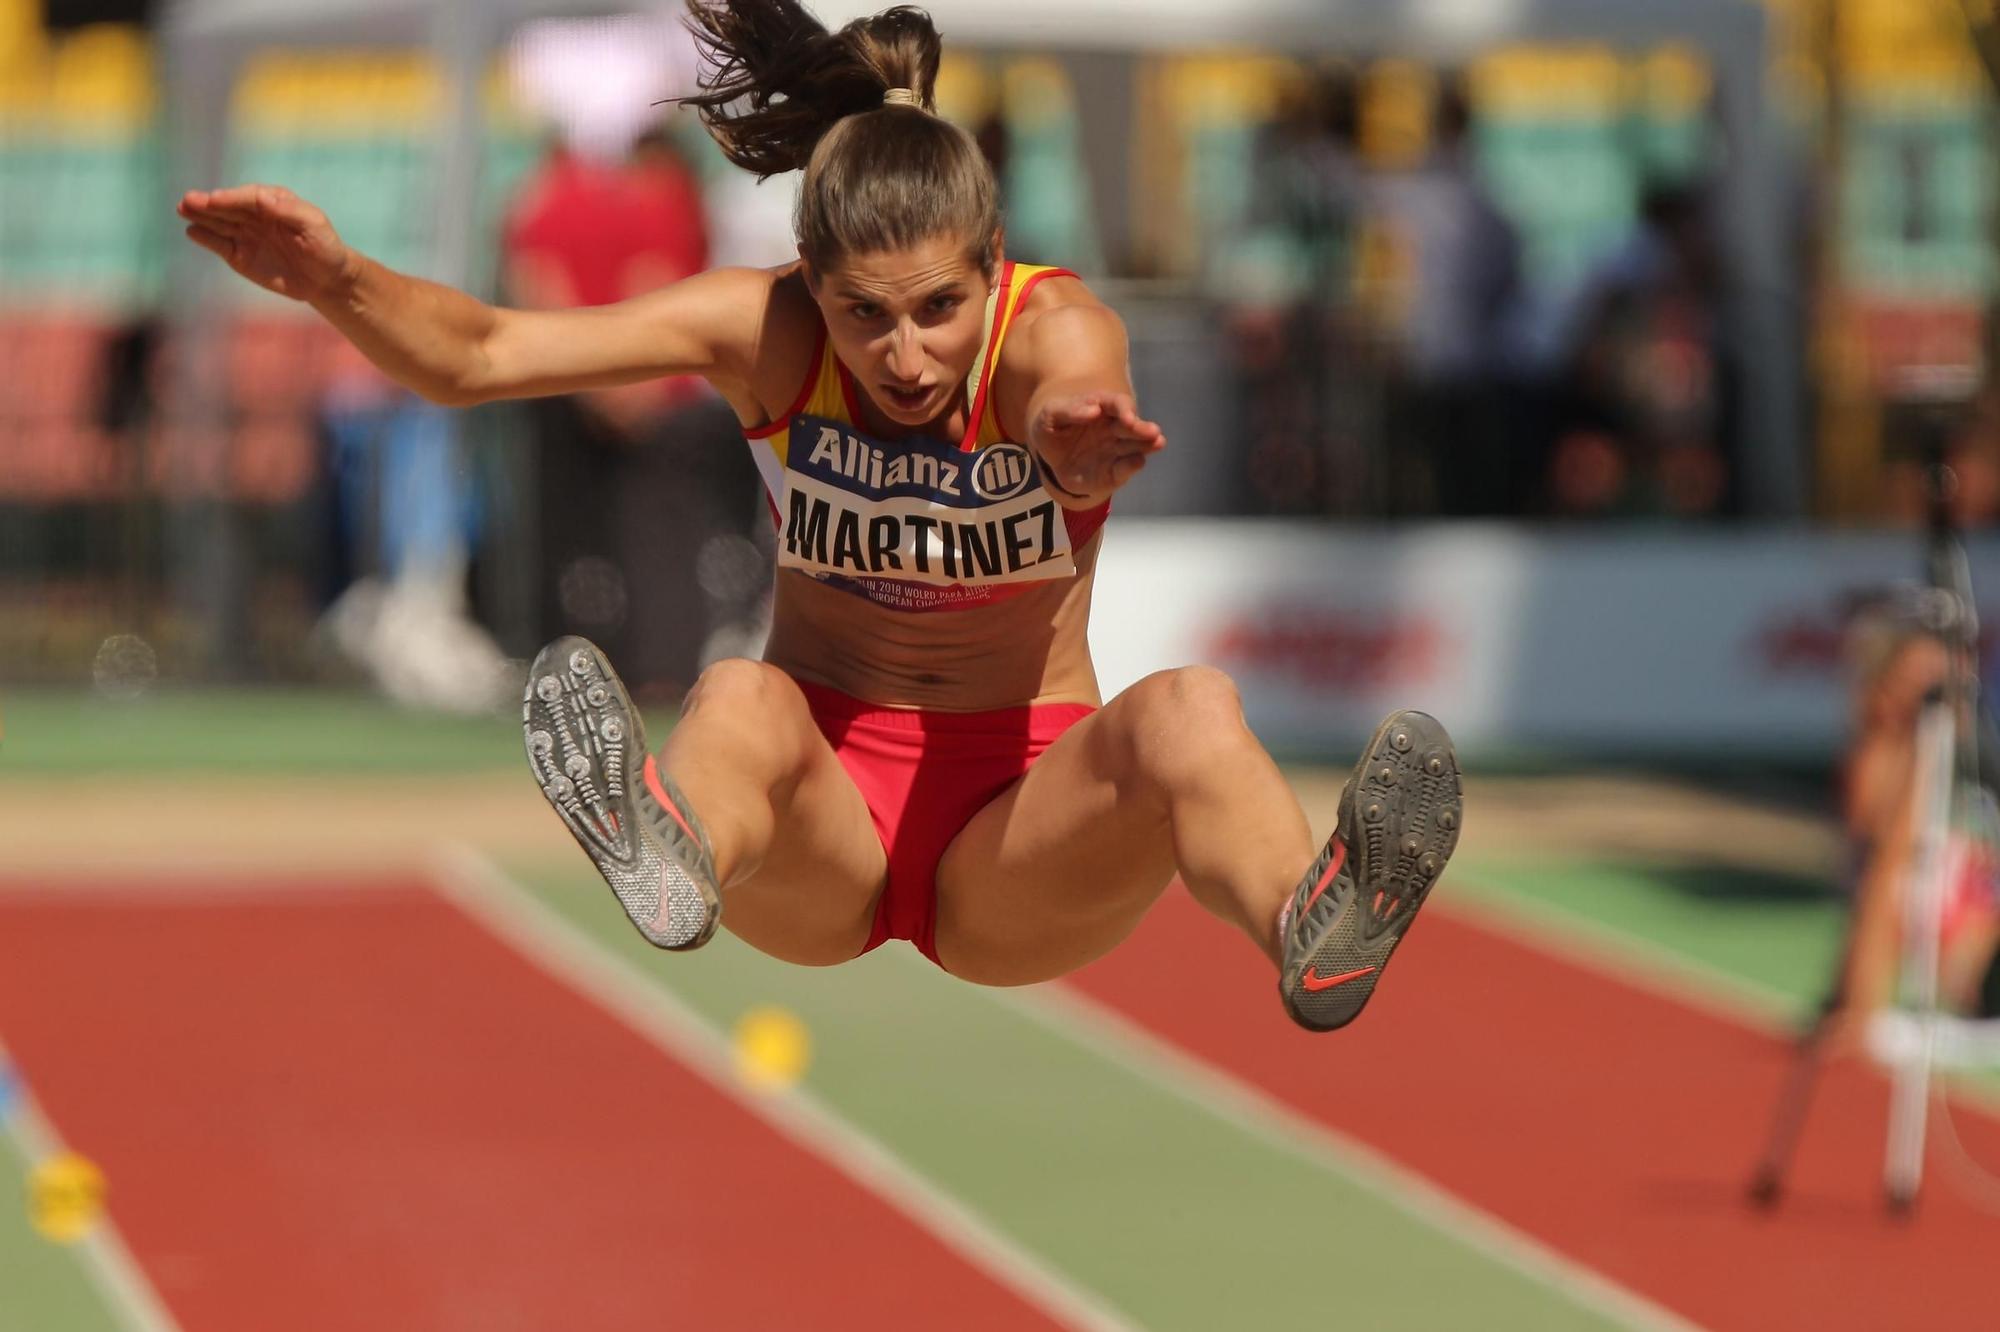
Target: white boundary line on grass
(485,893)
(113,1270)
(1665,973)
(1082,1020)
(1640,964)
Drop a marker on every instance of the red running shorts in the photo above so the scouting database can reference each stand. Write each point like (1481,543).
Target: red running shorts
(924,775)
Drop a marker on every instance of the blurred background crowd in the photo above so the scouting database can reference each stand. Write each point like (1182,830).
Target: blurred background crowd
(1713,263)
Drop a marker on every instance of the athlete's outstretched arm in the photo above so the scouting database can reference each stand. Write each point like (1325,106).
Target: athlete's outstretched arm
(1070,363)
(455,349)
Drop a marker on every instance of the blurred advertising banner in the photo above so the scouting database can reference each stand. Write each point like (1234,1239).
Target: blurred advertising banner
(1679,644)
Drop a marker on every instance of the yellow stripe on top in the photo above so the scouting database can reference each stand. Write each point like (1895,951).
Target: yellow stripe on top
(1018,283)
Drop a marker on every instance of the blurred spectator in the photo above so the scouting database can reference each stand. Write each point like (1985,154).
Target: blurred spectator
(1648,387)
(647,498)
(1287,285)
(406,522)
(61,15)
(1968,435)
(1451,443)
(1899,665)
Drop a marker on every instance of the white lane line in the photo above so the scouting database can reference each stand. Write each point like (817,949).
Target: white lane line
(223,886)
(1636,962)
(1619,955)
(112,1268)
(1082,1020)
(486,894)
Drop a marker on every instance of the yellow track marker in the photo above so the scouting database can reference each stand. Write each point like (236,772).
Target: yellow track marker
(65,1197)
(773,1048)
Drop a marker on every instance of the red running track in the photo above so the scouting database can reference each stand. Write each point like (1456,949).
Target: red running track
(1615,1125)
(326,1109)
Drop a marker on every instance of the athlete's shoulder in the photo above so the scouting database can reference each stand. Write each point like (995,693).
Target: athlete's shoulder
(1050,289)
(1058,317)
(786,340)
(786,287)
(1059,327)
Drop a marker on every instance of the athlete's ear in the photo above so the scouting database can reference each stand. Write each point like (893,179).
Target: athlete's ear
(996,254)
(806,271)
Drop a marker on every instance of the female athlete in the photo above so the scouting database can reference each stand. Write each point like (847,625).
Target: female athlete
(921,755)
(1902,662)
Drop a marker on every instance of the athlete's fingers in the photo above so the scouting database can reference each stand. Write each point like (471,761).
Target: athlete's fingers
(229,223)
(250,206)
(209,240)
(1074,413)
(222,223)
(1134,449)
(1122,409)
(243,196)
(1150,439)
(196,204)
(220,204)
(241,217)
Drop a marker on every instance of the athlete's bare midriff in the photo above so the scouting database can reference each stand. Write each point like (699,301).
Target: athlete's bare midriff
(1031,647)
(1028,648)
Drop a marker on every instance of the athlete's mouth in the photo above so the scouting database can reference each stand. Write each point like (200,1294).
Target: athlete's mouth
(908,400)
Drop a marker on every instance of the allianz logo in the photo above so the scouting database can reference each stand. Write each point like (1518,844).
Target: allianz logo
(997,472)
(1001,471)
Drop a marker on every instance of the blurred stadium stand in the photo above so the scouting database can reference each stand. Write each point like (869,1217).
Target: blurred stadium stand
(151,399)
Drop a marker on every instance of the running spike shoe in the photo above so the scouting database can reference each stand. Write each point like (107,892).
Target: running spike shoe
(582,735)
(1398,822)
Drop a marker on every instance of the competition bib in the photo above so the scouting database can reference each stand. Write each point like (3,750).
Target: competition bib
(918,524)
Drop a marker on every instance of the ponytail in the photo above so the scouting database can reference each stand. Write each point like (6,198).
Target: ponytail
(778,80)
(882,172)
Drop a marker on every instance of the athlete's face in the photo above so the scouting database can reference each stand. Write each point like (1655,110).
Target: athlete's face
(907,325)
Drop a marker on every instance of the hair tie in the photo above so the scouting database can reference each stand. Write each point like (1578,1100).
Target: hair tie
(902,97)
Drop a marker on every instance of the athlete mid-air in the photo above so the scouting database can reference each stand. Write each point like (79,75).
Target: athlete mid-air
(922,753)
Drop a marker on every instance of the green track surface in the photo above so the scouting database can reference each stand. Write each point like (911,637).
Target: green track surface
(1177,1217)
(42,1285)
(49,733)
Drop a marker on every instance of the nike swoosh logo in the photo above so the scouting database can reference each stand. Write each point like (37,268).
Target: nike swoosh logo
(651,774)
(1333,865)
(1312,980)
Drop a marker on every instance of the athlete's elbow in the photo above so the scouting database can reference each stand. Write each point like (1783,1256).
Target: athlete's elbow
(471,383)
(449,393)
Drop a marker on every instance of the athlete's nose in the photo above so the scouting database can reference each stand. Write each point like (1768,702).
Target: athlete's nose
(906,353)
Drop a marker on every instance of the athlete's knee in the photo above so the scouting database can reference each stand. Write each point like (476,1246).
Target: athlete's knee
(1181,722)
(1188,698)
(745,688)
(758,700)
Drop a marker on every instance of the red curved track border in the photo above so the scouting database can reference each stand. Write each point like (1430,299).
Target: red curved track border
(326,1108)
(1612,1123)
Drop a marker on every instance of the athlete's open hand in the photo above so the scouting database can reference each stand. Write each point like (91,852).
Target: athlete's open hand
(1092,443)
(272,237)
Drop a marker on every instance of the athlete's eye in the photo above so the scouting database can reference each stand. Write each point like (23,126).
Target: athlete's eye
(865,310)
(945,304)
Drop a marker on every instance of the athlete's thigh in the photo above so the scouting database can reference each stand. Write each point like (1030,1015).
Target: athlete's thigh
(1059,867)
(811,897)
